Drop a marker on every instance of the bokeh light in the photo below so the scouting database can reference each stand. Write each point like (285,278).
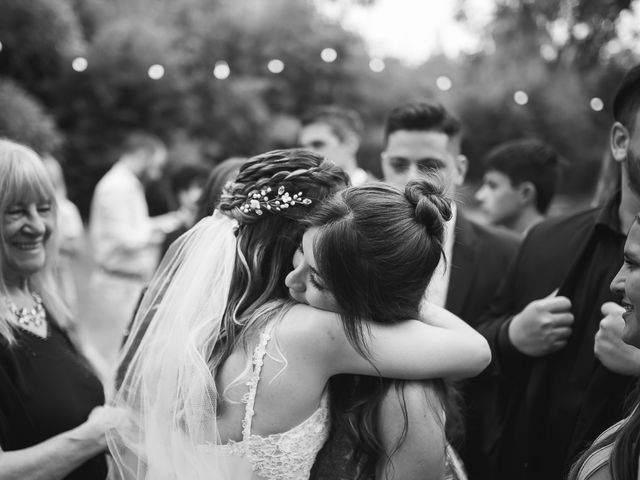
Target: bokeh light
(79,64)
(0,46)
(376,65)
(275,66)
(329,55)
(221,70)
(581,31)
(520,97)
(444,83)
(548,52)
(596,104)
(156,71)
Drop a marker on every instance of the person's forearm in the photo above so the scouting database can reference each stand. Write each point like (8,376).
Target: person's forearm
(167,222)
(52,459)
(440,317)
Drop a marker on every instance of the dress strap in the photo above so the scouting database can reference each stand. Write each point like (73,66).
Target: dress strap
(249,398)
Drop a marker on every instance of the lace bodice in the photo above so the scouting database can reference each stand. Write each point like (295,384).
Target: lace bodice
(282,456)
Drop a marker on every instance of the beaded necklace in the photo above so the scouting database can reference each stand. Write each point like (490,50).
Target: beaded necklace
(32,320)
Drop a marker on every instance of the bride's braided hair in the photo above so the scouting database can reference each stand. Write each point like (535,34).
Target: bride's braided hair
(267,241)
(297,171)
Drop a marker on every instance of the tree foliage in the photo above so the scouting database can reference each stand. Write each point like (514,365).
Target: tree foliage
(39,39)
(556,51)
(24,120)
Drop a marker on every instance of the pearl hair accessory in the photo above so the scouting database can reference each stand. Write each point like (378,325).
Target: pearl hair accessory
(260,200)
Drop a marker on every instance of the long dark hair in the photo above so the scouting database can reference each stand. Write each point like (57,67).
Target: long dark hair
(623,463)
(377,248)
(267,241)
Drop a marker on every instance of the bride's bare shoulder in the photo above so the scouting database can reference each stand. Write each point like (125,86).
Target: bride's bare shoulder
(303,325)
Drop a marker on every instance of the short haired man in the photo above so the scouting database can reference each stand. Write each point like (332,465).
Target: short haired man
(519,182)
(564,369)
(335,132)
(125,239)
(423,138)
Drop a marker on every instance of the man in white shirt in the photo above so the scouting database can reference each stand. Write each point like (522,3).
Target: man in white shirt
(125,239)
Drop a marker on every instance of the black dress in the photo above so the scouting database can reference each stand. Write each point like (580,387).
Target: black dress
(46,388)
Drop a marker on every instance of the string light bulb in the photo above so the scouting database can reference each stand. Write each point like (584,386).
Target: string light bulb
(156,71)
(328,55)
(79,64)
(221,70)
(596,104)
(377,65)
(444,83)
(275,66)
(520,97)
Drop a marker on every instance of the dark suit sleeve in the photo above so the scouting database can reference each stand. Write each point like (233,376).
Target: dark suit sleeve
(494,325)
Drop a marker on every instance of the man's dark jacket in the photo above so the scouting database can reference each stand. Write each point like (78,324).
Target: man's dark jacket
(480,261)
(549,408)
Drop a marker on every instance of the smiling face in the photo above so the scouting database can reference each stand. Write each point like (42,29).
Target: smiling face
(304,283)
(411,154)
(27,213)
(26,229)
(627,284)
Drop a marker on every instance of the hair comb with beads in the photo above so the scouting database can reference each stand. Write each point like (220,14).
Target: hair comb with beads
(260,200)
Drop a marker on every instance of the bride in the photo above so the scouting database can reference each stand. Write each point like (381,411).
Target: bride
(227,378)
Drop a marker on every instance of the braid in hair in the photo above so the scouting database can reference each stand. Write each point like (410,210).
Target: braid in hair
(296,170)
(267,241)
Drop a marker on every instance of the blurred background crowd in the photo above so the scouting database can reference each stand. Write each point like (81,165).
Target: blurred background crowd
(216,79)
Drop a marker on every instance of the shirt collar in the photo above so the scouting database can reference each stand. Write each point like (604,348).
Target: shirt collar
(449,230)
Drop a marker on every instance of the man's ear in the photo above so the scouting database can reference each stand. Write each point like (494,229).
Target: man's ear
(527,192)
(619,141)
(462,166)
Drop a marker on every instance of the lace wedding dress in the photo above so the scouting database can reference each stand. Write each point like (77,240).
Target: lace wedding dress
(169,387)
(282,456)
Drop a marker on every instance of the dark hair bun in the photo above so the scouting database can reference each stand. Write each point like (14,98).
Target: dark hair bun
(433,207)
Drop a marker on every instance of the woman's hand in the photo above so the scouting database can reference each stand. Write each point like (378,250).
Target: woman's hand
(100,420)
(56,457)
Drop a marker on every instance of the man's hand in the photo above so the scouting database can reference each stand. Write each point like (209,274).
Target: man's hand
(543,327)
(617,356)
